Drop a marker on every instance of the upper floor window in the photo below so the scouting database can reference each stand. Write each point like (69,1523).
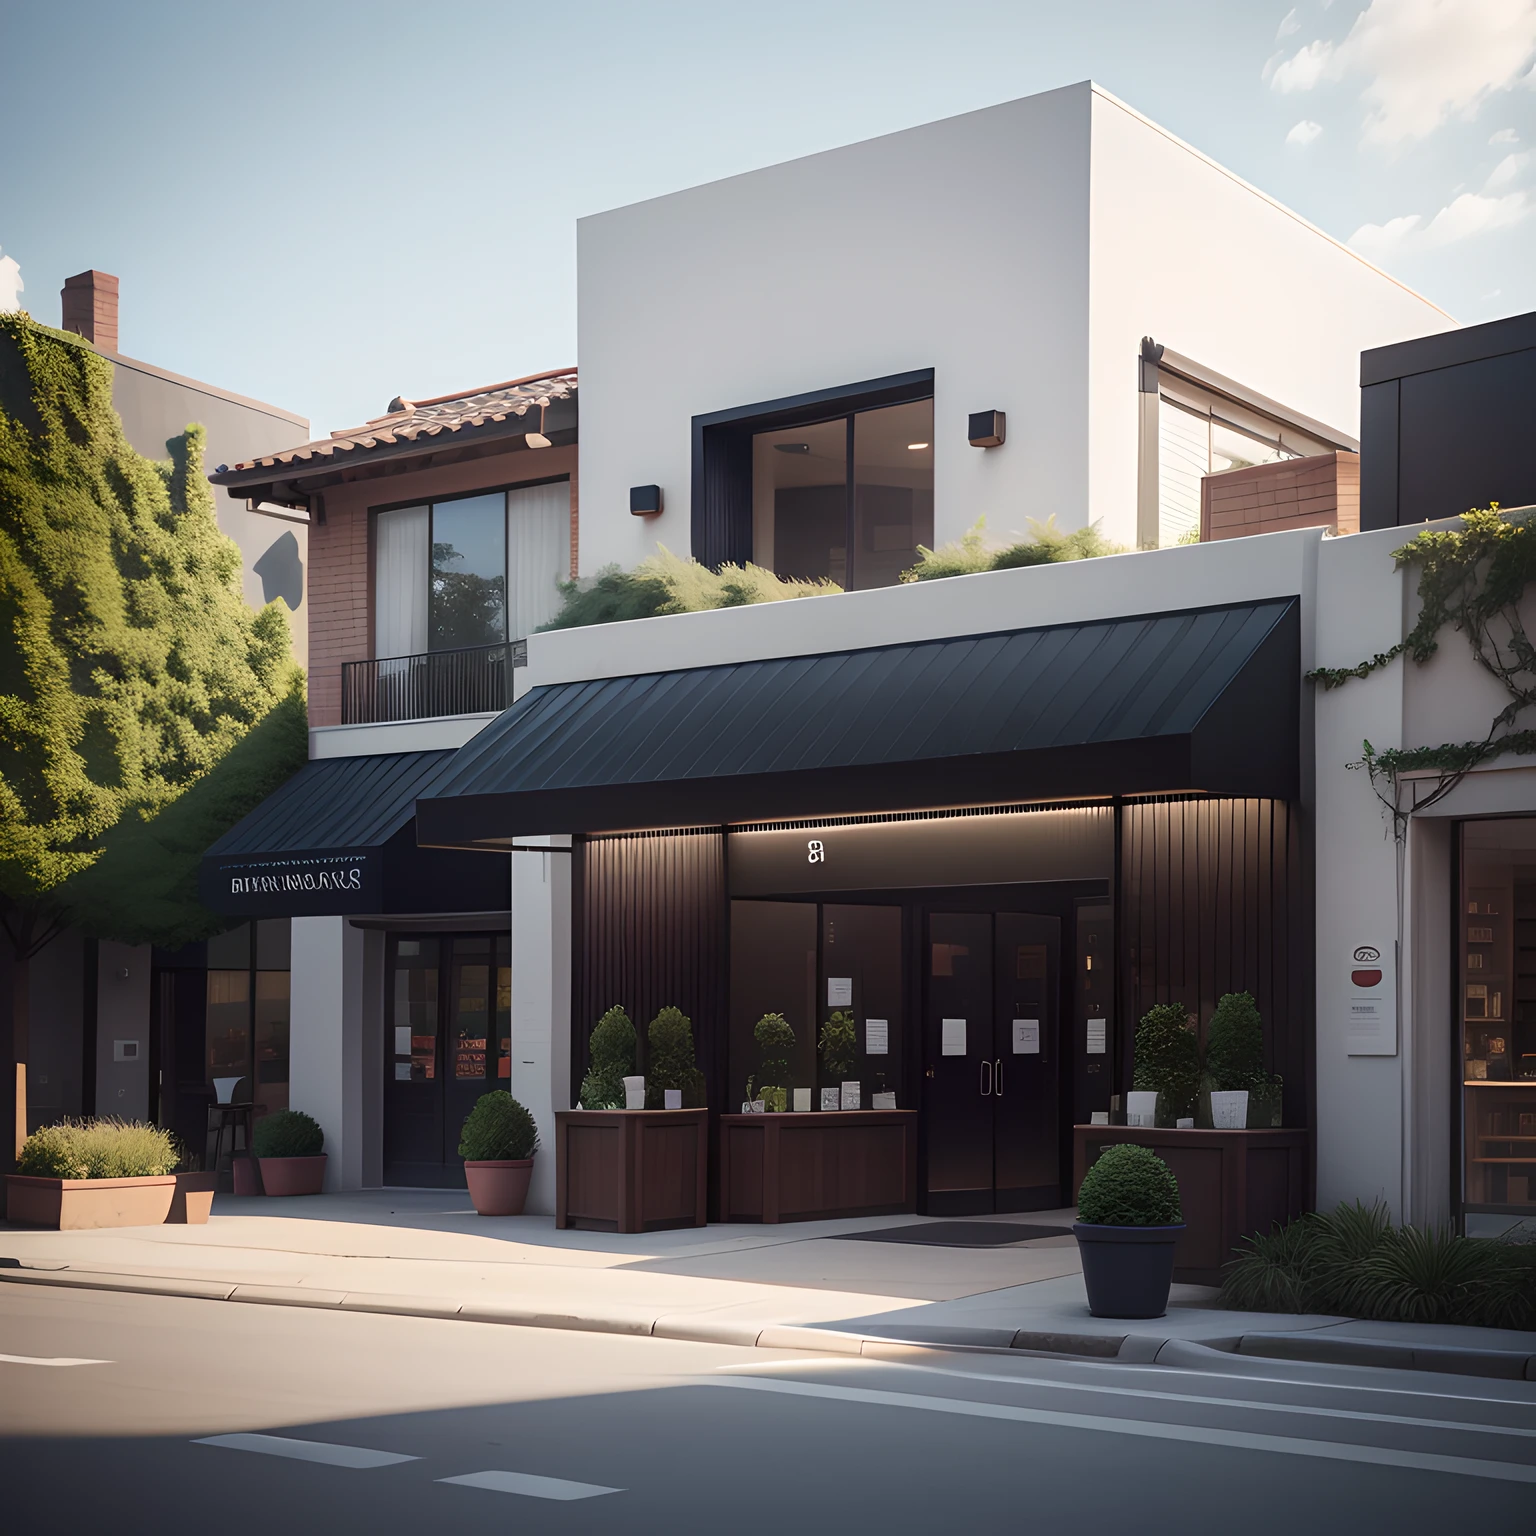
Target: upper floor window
(471,571)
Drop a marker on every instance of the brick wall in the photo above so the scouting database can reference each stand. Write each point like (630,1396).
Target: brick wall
(1322,491)
(340,570)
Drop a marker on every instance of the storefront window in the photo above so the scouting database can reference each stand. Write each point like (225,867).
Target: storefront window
(413,1010)
(503,1023)
(1496,991)
(246,1031)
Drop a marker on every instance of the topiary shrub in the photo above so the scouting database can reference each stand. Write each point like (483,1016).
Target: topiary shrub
(1167,1061)
(497,1128)
(1234,1045)
(98,1149)
(670,1064)
(839,1045)
(288,1133)
(775,1039)
(1129,1186)
(613,1048)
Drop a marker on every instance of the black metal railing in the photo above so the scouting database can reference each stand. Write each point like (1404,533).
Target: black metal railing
(473,681)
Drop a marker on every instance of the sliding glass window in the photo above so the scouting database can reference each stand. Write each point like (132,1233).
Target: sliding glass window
(846,500)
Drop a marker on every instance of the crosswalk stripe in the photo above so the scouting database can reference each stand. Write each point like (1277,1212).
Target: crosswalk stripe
(46,1360)
(527,1483)
(355,1456)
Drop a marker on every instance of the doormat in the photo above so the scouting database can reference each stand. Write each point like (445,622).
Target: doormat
(959,1234)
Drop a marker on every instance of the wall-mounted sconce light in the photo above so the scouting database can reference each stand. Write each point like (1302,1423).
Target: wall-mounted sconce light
(987,429)
(644,500)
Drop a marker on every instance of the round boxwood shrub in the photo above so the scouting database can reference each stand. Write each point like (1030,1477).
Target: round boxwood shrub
(614,1044)
(98,1149)
(1129,1187)
(498,1128)
(287,1133)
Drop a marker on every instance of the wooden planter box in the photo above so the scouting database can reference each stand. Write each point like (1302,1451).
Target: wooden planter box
(81,1205)
(631,1170)
(803,1167)
(1232,1184)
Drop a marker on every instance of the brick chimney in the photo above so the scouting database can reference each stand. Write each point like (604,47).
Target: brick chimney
(90,308)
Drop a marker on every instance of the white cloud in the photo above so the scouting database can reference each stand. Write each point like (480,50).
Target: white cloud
(1288,25)
(1304,132)
(1377,241)
(1427,61)
(1505,136)
(1474,214)
(11,285)
(1507,170)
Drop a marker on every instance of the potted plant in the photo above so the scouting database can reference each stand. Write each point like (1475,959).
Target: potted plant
(497,1145)
(288,1145)
(1128,1220)
(613,1047)
(776,1040)
(671,1065)
(1167,1063)
(1239,1092)
(84,1174)
(839,1046)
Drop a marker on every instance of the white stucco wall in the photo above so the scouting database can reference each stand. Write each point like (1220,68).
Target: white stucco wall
(1186,252)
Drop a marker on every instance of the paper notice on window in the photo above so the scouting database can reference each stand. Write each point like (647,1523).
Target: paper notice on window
(877,1037)
(850,1095)
(830,1098)
(402,1039)
(952,1037)
(1026,1037)
(1098,1033)
(402,1071)
(839,991)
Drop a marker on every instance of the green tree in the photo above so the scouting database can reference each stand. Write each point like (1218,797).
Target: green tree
(130,670)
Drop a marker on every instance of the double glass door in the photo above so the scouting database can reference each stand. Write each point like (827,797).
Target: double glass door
(992,1062)
(447,1028)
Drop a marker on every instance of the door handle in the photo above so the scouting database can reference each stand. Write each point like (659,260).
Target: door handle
(997,1077)
(986,1079)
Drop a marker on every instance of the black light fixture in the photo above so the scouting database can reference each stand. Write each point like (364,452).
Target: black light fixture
(988,429)
(644,500)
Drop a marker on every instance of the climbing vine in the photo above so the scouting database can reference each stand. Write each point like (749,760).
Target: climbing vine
(1471,578)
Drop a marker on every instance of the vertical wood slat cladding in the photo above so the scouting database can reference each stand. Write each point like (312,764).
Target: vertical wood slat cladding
(1212,902)
(653,921)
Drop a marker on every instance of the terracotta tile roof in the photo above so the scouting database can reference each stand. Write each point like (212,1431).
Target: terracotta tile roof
(408,420)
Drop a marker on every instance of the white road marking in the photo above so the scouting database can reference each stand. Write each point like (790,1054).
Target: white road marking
(526,1483)
(355,1456)
(1256,1405)
(1504,1471)
(45,1360)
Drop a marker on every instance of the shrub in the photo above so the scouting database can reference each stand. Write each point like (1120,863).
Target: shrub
(1129,1186)
(287,1133)
(613,1047)
(98,1149)
(1353,1262)
(775,1039)
(973,551)
(666,583)
(498,1127)
(839,1045)
(1167,1061)
(1234,1045)
(671,1064)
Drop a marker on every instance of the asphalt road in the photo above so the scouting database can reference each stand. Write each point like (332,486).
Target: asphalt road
(131,1414)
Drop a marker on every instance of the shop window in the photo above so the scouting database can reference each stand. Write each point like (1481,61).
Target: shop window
(1496,1001)
(246,1020)
(413,1010)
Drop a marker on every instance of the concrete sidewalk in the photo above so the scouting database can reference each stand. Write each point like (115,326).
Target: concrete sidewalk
(811,1285)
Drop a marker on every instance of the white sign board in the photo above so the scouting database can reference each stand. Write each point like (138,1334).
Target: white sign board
(850,1095)
(877,1037)
(1097,1033)
(1026,1037)
(839,991)
(402,1039)
(1370,1026)
(952,1037)
(829,1098)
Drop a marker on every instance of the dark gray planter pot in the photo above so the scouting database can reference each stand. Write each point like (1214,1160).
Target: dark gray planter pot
(1127,1270)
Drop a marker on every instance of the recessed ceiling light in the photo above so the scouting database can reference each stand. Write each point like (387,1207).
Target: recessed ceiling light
(792,447)
(914,447)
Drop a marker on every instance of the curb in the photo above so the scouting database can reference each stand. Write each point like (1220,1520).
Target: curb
(1445,1359)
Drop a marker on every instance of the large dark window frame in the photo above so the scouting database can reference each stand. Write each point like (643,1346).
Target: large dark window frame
(722,456)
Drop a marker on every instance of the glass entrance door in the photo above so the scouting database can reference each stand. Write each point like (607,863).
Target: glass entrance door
(991,1062)
(447,1028)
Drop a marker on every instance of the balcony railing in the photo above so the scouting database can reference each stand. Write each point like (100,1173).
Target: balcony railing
(474,681)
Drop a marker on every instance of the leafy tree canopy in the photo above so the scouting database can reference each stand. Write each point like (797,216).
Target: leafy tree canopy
(130,666)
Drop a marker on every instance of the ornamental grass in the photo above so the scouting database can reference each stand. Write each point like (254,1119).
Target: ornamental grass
(99,1149)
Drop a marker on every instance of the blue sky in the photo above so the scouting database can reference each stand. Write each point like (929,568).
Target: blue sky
(325,204)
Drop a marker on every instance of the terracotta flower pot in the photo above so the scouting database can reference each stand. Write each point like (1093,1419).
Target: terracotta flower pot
(80,1205)
(292,1175)
(499,1188)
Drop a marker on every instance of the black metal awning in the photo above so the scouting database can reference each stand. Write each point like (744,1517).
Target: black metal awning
(338,838)
(1205,700)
